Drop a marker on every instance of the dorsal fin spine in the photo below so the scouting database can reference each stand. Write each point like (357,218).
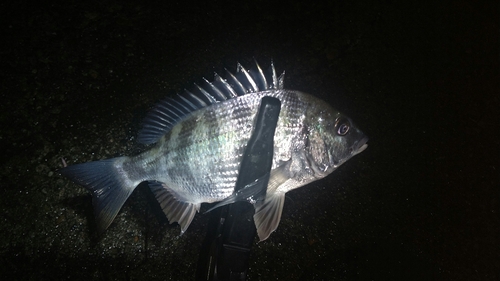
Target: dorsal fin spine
(261,75)
(275,78)
(237,84)
(206,94)
(197,99)
(188,102)
(215,90)
(164,109)
(281,81)
(227,87)
(249,78)
(175,104)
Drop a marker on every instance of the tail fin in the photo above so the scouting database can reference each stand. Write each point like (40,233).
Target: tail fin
(108,183)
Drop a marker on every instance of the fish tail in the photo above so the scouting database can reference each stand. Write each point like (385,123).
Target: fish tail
(109,184)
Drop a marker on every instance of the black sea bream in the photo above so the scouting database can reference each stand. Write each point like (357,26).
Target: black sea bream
(200,137)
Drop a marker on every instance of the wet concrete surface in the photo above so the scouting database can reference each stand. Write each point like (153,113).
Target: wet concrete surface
(421,80)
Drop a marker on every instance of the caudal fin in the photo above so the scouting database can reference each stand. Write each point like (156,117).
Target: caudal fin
(108,183)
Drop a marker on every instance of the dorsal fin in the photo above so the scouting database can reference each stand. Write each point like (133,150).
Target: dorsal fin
(168,112)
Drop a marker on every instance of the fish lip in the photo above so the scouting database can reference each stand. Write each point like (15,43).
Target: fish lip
(361,146)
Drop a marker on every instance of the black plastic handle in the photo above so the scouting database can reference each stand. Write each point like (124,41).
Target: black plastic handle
(231,231)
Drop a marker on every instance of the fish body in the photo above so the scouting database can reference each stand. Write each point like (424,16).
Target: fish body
(200,138)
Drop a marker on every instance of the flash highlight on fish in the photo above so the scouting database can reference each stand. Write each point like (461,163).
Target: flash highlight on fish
(199,139)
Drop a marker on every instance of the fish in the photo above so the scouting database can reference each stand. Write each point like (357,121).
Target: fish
(195,142)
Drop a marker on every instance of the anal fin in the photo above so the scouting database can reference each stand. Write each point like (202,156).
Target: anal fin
(175,210)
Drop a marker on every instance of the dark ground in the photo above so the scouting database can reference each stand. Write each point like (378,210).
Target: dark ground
(421,80)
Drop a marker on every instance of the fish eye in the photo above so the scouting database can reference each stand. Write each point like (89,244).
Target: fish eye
(342,127)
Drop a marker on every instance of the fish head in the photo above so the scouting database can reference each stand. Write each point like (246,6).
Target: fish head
(331,139)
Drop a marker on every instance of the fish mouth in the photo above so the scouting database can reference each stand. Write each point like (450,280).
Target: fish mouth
(360,146)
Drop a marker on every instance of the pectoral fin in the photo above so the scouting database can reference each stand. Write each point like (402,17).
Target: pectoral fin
(268,214)
(175,210)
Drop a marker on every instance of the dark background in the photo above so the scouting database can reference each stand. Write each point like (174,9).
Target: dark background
(421,80)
